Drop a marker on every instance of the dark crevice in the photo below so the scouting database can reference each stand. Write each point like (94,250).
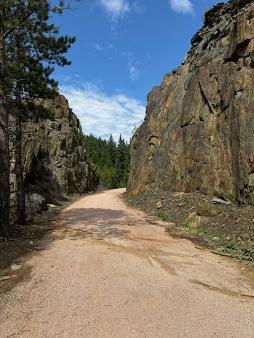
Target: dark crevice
(239,51)
(235,149)
(186,124)
(205,99)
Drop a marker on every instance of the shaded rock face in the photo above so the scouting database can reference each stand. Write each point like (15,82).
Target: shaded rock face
(55,160)
(198,134)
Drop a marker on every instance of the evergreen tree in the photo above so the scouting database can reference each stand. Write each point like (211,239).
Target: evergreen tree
(36,43)
(122,163)
(111,159)
(112,150)
(19,19)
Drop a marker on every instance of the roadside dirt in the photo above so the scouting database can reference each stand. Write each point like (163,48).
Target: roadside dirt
(109,271)
(227,228)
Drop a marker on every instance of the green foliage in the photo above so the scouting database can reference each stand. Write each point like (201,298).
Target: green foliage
(186,224)
(163,216)
(112,160)
(32,49)
(30,46)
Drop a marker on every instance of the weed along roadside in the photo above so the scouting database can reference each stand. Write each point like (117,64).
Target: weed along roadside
(227,228)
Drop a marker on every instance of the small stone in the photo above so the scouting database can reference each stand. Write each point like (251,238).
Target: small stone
(159,205)
(245,236)
(220,201)
(15,267)
(51,205)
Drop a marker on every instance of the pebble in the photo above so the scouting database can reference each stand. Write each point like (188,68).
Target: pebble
(15,267)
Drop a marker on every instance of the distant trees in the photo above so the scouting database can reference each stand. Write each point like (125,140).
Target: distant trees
(111,158)
(122,163)
(27,44)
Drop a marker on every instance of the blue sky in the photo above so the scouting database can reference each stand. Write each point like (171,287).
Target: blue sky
(123,49)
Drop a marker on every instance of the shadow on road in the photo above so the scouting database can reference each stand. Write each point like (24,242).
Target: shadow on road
(74,224)
(94,223)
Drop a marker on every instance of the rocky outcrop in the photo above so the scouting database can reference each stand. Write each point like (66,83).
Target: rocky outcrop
(54,156)
(198,134)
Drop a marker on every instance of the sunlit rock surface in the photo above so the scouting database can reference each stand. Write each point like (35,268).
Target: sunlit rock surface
(54,157)
(198,133)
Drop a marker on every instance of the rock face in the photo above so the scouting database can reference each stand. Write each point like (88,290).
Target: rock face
(198,134)
(55,160)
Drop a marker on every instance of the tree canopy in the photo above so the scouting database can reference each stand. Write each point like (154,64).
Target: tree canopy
(112,160)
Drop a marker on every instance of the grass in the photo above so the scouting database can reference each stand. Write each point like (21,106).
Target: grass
(214,238)
(162,215)
(237,250)
(231,246)
(186,224)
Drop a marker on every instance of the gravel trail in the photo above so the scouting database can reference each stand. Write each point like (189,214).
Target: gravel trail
(107,271)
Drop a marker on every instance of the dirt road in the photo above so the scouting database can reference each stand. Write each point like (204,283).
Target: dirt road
(107,272)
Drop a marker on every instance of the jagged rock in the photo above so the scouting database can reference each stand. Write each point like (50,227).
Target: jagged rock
(55,160)
(198,130)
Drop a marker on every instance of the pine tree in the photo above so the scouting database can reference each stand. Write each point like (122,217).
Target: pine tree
(121,163)
(37,42)
(112,160)
(17,17)
(112,150)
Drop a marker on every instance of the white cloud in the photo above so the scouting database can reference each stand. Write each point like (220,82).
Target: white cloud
(134,71)
(102,114)
(182,6)
(134,66)
(115,8)
(98,47)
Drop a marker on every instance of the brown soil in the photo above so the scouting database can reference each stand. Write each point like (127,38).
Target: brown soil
(228,228)
(106,270)
(25,239)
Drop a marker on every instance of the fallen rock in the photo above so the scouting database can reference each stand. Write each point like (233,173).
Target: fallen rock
(159,205)
(207,210)
(51,206)
(15,267)
(220,201)
(194,219)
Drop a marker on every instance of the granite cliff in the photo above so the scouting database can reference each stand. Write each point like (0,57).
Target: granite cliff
(198,134)
(54,157)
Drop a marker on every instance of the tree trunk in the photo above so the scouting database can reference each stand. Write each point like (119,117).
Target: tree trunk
(20,189)
(4,152)
(20,192)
